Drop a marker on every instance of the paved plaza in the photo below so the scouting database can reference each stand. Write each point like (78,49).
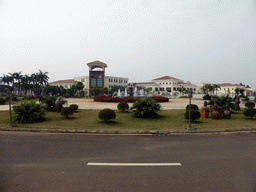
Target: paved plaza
(90,104)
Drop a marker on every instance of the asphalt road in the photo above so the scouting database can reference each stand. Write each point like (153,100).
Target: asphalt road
(34,162)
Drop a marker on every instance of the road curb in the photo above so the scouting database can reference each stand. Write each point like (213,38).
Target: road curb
(125,132)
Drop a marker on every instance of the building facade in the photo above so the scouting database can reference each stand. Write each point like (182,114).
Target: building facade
(96,79)
(168,84)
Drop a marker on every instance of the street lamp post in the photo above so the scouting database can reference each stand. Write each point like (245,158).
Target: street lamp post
(9,95)
(190,93)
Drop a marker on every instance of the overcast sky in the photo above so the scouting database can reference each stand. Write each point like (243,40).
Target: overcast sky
(211,41)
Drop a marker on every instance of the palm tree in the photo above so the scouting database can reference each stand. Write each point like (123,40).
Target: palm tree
(12,79)
(17,77)
(42,79)
(6,79)
(25,83)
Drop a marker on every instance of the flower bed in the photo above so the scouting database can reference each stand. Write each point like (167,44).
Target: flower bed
(128,99)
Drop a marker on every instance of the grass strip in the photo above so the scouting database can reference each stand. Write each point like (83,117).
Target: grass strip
(168,120)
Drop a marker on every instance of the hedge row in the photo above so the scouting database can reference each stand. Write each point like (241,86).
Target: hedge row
(128,99)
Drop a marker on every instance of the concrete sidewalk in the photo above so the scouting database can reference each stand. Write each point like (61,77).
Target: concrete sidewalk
(90,104)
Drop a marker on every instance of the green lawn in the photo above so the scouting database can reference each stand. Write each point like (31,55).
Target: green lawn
(169,119)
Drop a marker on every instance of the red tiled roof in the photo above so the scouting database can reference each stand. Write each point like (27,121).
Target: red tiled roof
(63,81)
(165,78)
(97,62)
(229,85)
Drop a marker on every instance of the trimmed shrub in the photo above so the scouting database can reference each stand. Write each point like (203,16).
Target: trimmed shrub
(29,112)
(193,107)
(195,114)
(249,112)
(66,111)
(50,102)
(2,101)
(183,96)
(223,101)
(24,97)
(74,107)
(145,108)
(107,114)
(123,106)
(249,104)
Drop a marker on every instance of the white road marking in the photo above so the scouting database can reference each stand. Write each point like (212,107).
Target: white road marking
(134,164)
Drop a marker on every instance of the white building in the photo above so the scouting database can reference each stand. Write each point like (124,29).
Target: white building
(168,84)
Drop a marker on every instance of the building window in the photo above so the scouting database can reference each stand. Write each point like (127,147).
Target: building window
(161,89)
(82,80)
(99,83)
(174,88)
(163,83)
(93,82)
(156,89)
(150,88)
(168,89)
(194,89)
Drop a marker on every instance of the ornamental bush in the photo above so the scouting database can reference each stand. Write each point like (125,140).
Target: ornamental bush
(249,112)
(249,104)
(25,97)
(193,107)
(195,114)
(107,114)
(145,108)
(14,98)
(2,101)
(159,98)
(123,106)
(128,99)
(50,102)
(29,112)
(74,107)
(66,111)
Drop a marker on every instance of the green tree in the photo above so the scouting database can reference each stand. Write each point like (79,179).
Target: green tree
(215,87)
(79,86)
(207,88)
(42,79)
(17,80)
(105,91)
(237,91)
